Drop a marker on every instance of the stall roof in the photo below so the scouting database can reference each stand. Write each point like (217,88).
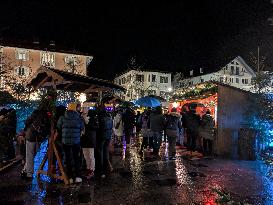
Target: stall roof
(48,77)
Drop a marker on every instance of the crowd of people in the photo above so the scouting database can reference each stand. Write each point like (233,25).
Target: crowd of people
(89,134)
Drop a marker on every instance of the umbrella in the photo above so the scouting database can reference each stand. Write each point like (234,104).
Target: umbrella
(148,102)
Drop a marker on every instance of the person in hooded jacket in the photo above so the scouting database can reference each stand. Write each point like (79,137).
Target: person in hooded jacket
(157,126)
(206,132)
(173,128)
(36,130)
(71,125)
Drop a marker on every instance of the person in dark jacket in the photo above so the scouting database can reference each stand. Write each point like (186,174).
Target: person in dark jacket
(129,122)
(193,122)
(71,125)
(88,141)
(103,141)
(157,126)
(37,128)
(60,111)
(173,129)
(207,132)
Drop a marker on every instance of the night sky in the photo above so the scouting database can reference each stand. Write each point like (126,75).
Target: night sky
(166,35)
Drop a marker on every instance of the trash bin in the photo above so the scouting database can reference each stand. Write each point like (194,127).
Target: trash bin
(247,144)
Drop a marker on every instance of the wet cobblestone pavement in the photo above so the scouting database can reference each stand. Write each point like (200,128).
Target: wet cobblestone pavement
(138,181)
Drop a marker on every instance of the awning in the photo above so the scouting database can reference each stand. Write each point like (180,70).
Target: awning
(48,77)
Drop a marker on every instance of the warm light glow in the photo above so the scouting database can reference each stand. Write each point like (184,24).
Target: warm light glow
(175,104)
(82,97)
(170,89)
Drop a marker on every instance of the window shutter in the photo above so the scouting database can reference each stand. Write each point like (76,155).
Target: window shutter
(16,54)
(27,55)
(26,71)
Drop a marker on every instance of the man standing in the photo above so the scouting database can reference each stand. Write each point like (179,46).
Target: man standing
(71,125)
(173,129)
(193,123)
(129,122)
(157,125)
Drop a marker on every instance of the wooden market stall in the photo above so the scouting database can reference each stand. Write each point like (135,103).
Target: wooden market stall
(230,108)
(60,80)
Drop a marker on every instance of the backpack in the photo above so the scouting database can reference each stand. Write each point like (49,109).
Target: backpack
(171,123)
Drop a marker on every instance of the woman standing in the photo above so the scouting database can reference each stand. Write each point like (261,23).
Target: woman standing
(88,141)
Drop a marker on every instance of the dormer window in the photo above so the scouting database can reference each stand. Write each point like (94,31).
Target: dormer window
(48,59)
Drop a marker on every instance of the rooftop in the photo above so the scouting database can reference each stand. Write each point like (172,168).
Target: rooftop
(44,46)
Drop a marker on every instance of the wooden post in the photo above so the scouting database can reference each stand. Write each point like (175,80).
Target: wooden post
(52,151)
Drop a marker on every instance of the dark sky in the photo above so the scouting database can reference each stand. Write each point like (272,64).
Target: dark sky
(166,35)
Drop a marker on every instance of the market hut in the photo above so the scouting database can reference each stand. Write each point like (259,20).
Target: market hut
(230,108)
(54,79)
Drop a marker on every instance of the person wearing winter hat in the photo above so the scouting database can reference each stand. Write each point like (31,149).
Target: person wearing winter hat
(71,125)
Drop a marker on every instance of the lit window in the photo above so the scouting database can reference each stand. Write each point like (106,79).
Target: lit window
(21,54)
(48,59)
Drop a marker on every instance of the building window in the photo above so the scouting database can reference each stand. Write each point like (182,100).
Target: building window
(72,60)
(231,80)
(123,81)
(128,78)
(21,54)
(22,71)
(202,80)
(232,69)
(119,81)
(221,79)
(151,92)
(163,79)
(201,70)
(140,78)
(237,80)
(48,59)
(237,70)
(149,78)
(245,81)
(153,78)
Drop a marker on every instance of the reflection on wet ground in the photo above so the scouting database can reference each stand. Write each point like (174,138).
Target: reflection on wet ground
(160,181)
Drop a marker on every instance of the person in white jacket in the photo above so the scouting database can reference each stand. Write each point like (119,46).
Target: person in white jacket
(118,128)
